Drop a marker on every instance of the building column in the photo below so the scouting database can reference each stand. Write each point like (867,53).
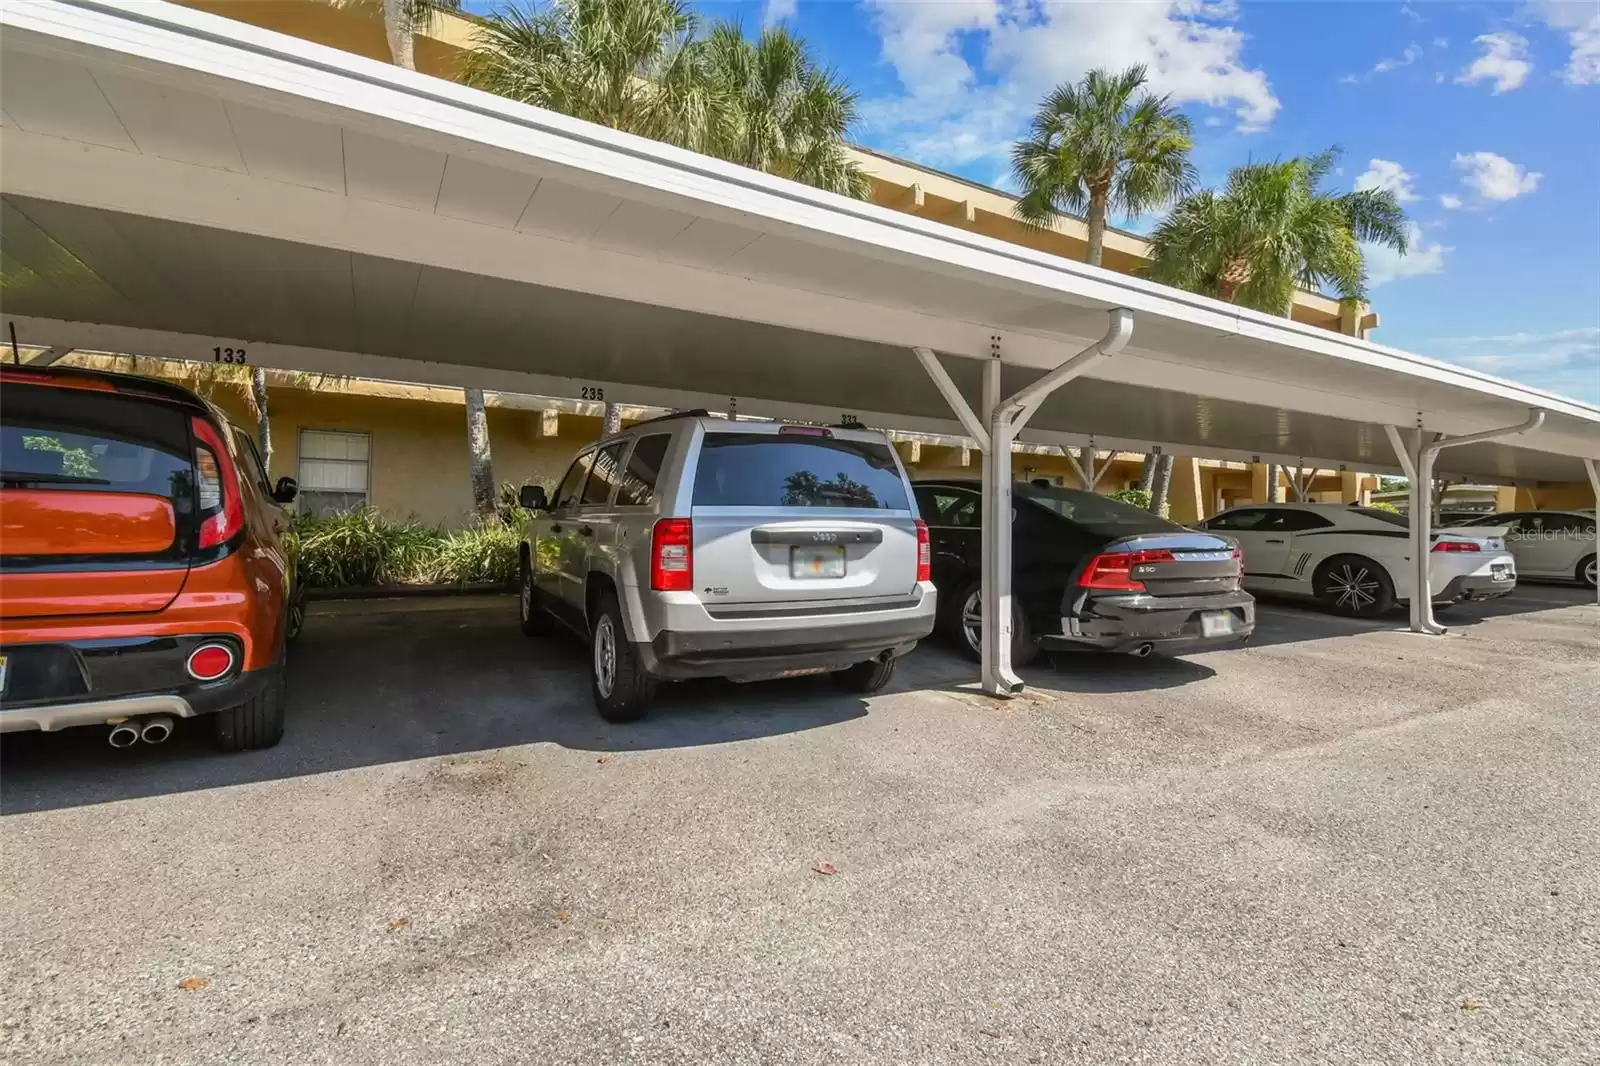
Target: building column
(1185,500)
(1352,488)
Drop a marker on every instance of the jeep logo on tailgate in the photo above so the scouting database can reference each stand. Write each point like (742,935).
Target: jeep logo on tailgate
(824,538)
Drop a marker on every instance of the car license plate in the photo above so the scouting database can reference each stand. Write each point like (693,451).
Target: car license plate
(812,563)
(1500,572)
(1218,623)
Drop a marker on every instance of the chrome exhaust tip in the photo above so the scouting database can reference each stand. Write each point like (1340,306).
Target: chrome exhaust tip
(156,729)
(124,734)
(1143,650)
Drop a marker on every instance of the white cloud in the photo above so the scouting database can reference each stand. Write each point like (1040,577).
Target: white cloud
(1494,177)
(777,11)
(1383,174)
(1385,264)
(1566,361)
(1450,202)
(1441,42)
(1504,62)
(1411,13)
(1407,57)
(974,70)
(1581,21)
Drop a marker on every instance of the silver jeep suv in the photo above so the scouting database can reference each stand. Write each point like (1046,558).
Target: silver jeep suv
(691,546)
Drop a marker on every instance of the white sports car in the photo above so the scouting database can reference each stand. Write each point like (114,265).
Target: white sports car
(1547,544)
(1357,560)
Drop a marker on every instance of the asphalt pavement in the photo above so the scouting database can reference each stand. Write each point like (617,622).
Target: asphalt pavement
(1341,844)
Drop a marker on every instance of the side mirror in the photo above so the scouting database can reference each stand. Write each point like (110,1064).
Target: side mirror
(532,498)
(285,490)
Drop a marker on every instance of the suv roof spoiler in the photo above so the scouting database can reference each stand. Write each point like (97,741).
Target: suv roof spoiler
(82,377)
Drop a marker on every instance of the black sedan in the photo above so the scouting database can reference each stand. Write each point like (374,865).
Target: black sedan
(1088,572)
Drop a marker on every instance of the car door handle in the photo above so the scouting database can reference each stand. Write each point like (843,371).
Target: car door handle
(1275,540)
(587,531)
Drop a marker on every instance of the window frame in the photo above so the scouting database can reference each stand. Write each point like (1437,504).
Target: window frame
(627,469)
(245,443)
(555,494)
(303,489)
(621,449)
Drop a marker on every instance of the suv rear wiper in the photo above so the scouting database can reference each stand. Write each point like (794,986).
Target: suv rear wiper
(20,477)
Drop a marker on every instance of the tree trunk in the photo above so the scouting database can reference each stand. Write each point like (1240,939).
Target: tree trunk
(478,457)
(1158,494)
(1086,460)
(611,420)
(1274,478)
(1147,473)
(397,27)
(258,395)
(1097,226)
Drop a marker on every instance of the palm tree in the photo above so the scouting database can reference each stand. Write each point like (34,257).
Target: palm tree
(1095,148)
(401,21)
(633,65)
(785,114)
(1272,230)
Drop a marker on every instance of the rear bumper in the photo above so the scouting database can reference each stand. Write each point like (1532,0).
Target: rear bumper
(802,645)
(1171,625)
(1475,587)
(62,685)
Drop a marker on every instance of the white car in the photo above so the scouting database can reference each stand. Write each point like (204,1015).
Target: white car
(1357,560)
(1547,544)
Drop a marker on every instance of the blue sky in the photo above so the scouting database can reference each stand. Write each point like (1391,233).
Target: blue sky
(1485,118)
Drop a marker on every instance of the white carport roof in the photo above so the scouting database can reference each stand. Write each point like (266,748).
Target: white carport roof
(173,181)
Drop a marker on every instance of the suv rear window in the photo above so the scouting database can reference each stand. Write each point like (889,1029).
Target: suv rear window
(1096,514)
(77,439)
(769,470)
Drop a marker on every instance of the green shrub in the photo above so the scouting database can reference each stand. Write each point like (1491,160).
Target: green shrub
(360,548)
(1139,498)
(1380,505)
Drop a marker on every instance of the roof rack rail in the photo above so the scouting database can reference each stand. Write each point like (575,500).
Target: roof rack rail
(693,412)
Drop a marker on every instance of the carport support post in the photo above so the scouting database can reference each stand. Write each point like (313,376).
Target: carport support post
(995,433)
(1418,465)
(1593,467)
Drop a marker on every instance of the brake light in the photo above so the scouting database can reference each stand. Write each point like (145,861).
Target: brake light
(672,555)
(1458,546)
(1114,570)
(221,506)
(924,553)
(1238,557)
(805,431)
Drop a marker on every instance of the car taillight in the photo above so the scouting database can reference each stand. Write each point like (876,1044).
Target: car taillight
(1458,546)
(221,506)
(1114,570)
(924,553)
(209,662)
(1238,557)
(672,555)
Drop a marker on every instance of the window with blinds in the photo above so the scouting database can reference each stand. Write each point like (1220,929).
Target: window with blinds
(333,470)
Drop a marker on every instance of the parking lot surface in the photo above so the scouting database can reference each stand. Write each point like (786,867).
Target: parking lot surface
(1343,843)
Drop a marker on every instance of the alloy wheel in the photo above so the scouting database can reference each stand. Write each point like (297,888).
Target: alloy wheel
(1353,587)
(1590,572)
(605,656)
(972,620)
(526,596)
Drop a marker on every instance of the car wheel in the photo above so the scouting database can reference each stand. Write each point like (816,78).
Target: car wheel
(256,723)
(1354,585)
(621,686)
(969,622)
(531,614)
(866,678)
(1586,571)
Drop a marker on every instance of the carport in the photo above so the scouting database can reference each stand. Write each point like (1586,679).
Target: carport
(185,186)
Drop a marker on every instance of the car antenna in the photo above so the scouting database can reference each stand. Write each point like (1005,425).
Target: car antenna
(16,356)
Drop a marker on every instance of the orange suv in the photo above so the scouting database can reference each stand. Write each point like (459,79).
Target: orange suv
(143,570)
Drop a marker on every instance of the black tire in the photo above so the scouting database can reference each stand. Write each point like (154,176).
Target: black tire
(865,678)
(631,686)
(1024,648)
(1585,572)
(535,622)
(1354,586)
(254,724)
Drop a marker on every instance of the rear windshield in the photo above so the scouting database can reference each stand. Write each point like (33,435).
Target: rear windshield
(1099,515)
(77,439)
(768,470)
(1384,516)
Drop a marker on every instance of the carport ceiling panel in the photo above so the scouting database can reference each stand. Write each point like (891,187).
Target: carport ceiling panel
(61,99)
(489,196)
(173,124)
(567,211)
(391,172)
(287,148)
